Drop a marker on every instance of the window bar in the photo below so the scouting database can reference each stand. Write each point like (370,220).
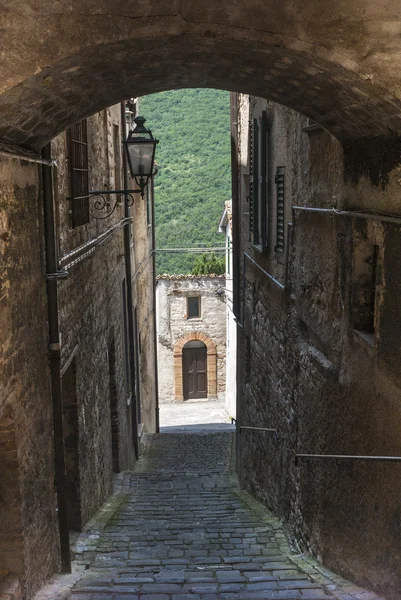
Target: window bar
(259,429)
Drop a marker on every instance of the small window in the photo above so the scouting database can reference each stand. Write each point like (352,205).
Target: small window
(364,283)
(280,208)
(193,307)
(228,256)
(77,141)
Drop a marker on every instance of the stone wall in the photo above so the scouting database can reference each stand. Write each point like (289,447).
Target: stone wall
(28,522)
(91,308)
(98,436)
(173,326)
(306,368)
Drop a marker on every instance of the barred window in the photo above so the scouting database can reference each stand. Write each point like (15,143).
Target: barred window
(77,140)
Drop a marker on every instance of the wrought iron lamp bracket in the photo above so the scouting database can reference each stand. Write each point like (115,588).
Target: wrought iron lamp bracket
(101,201)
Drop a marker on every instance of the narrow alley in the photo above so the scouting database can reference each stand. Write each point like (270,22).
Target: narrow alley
(200,285)
(179,528)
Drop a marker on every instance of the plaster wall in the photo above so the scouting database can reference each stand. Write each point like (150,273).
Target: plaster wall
(305,370)
(172,324)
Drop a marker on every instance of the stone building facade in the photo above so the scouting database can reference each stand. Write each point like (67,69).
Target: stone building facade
(82,406)
(191,330)
(225,227)
(318,304)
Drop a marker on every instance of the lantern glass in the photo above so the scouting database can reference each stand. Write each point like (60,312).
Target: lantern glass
(141,156)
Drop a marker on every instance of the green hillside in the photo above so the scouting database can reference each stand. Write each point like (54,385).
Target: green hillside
(194,180)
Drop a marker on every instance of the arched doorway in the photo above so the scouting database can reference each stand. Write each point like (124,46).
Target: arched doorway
(194,370)
(187,343)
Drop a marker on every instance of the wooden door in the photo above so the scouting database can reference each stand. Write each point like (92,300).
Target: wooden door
(195,373)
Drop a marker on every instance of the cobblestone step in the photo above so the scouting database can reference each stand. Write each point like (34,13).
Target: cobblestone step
(180,529)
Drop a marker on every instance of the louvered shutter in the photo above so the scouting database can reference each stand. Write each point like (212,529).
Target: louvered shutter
(280,219)
(255,183)
(263,228)
(251,175)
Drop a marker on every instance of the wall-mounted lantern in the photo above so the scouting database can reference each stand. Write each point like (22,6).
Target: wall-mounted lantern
(140,147)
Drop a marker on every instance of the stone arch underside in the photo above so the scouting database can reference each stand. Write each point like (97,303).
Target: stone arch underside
(211,363)
(335,62)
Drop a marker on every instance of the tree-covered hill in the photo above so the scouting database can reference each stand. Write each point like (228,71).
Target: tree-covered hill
(194,180)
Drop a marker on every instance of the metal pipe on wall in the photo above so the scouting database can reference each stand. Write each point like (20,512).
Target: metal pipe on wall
(54,359)
(128,278)
(236,241)
(153,250)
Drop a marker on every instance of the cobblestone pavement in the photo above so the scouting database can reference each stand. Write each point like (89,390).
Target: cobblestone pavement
(179,528)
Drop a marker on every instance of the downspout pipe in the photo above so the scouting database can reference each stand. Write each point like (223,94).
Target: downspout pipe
(128,278)
(235,209)
(55,359)
(156,376)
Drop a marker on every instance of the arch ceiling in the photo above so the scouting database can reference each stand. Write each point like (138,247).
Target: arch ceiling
(62,60)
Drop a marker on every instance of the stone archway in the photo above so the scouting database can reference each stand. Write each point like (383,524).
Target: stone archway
(211,362)
(337,64)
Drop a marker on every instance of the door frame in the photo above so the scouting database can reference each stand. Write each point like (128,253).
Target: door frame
(211,364)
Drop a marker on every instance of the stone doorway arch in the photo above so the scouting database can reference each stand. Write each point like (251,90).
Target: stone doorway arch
(211,364)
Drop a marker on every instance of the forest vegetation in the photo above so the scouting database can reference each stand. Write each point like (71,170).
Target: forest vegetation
(194,180)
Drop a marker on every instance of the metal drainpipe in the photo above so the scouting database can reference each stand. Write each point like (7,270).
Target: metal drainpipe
(157,409)
(128,277)
(54,359)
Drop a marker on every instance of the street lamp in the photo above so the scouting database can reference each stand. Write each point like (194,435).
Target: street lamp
(140,147)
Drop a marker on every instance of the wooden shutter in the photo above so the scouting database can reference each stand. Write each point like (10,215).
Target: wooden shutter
(251,176)
(255,183)
(263,184)
(280,218)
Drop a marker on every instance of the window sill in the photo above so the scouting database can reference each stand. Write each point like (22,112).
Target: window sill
(365,339)
(194,319)
(258,248)
(312,128)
